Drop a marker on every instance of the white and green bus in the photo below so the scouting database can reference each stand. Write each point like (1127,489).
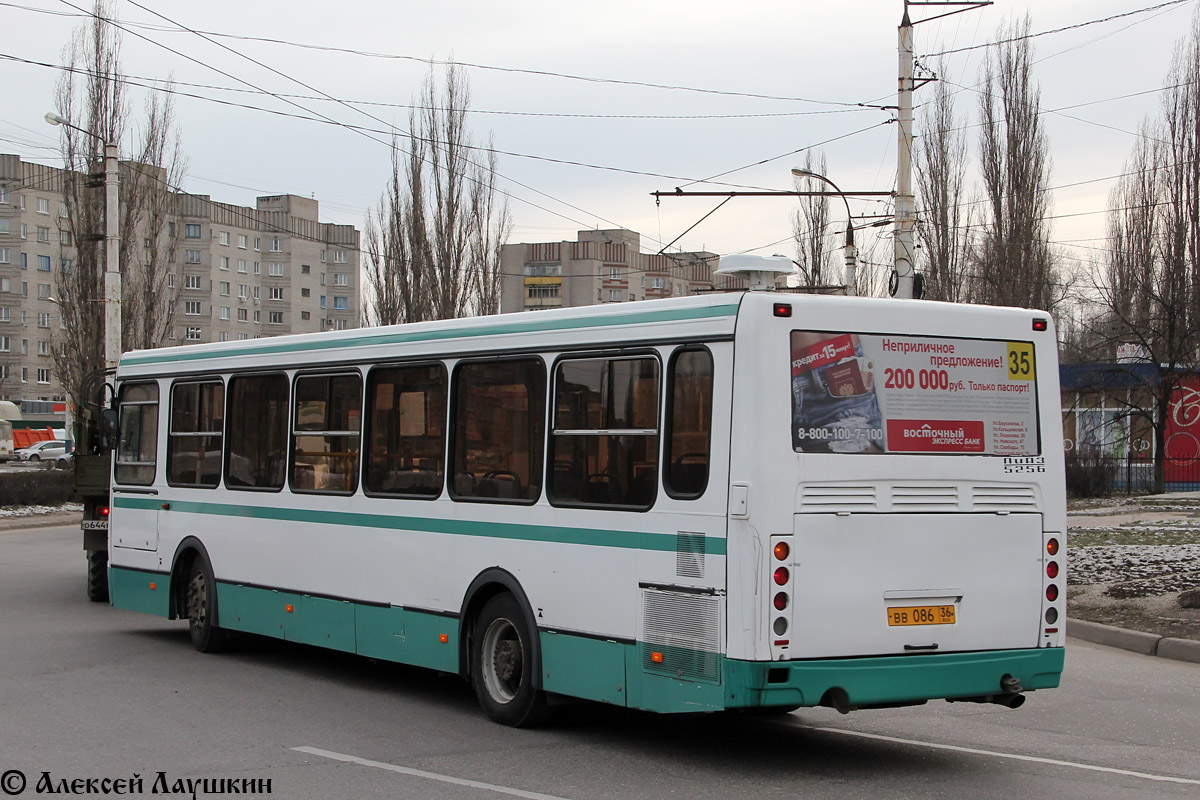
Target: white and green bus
(732,501)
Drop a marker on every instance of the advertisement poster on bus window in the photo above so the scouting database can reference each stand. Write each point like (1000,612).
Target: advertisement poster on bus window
(868,393)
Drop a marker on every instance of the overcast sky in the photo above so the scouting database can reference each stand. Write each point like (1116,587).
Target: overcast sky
(813,57)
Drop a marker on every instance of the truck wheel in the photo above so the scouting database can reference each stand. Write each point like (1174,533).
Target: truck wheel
(502,661)
(97,576)
(202,609)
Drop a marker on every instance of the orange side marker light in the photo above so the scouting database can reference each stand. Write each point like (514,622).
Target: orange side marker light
(657,658)
(444,638)
(288,608)
(153,586)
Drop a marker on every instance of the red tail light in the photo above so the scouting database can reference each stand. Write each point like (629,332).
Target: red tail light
(781,601)
(1052,569)
(102,511)
(1052,593)
(781,576)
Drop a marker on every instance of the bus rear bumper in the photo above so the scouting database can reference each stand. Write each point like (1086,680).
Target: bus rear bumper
(888,680)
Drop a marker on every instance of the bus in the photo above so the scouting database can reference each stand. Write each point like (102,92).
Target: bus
(757,500)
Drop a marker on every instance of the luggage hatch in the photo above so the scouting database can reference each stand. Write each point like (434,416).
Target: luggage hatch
(883,584)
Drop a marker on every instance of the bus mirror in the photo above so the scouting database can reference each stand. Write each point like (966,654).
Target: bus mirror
(108,429)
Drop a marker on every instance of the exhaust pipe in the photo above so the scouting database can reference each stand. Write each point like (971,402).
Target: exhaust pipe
(1010,694)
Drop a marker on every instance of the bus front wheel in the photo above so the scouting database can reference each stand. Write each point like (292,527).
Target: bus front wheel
(502,662)
(202,609)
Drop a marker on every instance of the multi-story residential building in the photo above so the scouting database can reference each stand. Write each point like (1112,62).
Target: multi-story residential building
(238,273)
(263,271)
(600,267)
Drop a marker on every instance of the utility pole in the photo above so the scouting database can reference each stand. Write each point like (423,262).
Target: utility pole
(112,242)
(112,258)
(905,204)
(906,216)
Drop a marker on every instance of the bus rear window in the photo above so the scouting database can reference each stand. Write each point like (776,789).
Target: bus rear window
(871,393)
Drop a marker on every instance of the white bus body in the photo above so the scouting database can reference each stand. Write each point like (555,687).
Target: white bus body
(874,520)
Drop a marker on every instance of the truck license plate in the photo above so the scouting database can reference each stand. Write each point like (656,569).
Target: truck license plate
(94,525)
(921,615)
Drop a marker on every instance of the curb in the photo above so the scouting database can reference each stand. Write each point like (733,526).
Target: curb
(1149,644)
(50,520)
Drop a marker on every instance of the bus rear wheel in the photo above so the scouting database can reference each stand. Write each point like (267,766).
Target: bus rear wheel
(97,576)
(202,609)
(502,661)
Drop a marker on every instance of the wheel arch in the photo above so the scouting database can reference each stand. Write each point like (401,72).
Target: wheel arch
(487,584)
(185,556)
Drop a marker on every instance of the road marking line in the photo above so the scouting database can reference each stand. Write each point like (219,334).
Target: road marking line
(420,773)
(1014,756)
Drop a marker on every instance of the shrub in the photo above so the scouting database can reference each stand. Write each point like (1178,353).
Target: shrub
(37,487)
(1090,474)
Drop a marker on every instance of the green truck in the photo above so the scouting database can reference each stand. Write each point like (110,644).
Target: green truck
(93,462)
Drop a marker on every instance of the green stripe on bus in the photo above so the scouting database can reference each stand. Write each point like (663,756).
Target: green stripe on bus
(595,537)
(177,354)
(888,679)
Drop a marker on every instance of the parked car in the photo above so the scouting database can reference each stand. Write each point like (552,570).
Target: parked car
(65,461)
(39,451)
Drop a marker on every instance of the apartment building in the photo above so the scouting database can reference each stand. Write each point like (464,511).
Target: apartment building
(245,273)
(237,273)
(600,266)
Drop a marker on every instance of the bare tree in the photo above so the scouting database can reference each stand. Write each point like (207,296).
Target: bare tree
(941,171)
(433,246)
(810,226)
(96,103)
(490,225)
(1152,295)
(395,278)
(1013,261)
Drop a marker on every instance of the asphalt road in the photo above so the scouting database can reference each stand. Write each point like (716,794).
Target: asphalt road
(87,691)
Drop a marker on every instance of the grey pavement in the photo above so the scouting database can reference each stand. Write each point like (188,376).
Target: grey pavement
(87,690)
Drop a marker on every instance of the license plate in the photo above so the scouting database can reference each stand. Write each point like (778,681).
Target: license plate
(94,525)
(921,615)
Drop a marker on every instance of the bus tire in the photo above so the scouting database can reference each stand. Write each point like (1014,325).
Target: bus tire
(97,576)
(502,660)
(201,607)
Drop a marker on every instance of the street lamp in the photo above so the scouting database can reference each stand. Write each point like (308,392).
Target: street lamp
(851,251)
(112,243)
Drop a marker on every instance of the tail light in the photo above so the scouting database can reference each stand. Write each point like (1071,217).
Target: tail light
(781,575)
(1052,546)
(102,511)
(1052,569)
(1052,593)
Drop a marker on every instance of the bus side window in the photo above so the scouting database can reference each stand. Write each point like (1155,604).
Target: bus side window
(326,432)
(256,455)
(137,449)
(605,433)
(689,423)
(195,434)
(499,430)
(406,431)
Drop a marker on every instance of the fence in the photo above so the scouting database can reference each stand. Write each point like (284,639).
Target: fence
(1096,475)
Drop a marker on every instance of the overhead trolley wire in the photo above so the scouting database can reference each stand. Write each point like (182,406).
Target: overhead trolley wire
(1071,27)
